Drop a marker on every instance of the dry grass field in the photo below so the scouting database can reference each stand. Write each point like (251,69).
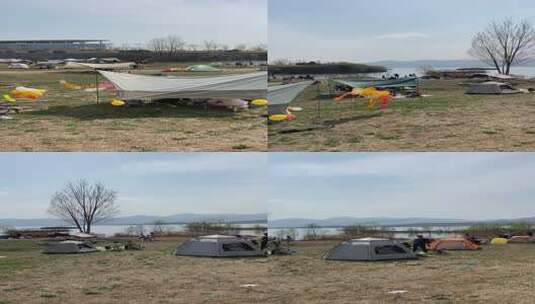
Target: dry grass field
(491,275)
(71,120)
(501,274)
(448,120)
(152,275)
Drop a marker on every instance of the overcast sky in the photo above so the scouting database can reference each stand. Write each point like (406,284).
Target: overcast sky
(458,185)
(374,30)
(137,21)
(147,183)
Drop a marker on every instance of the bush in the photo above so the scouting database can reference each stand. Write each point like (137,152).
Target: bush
(493,230)
(284,233)
(210,228)
(312,232)
(328,68)
(359,231)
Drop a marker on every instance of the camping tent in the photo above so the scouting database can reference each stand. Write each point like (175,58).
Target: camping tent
(18,66)
(280,96)
(219,246)
(370,249)
(67,247)
(499,241)
(201,68)
(492,87)
(452,244)
(141,87)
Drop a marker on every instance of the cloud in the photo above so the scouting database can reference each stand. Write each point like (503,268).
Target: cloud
(473,186)
(195,164)
(226,21)
(403,36)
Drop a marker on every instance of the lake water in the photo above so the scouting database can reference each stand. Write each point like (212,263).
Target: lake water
(398,232)
(523,71)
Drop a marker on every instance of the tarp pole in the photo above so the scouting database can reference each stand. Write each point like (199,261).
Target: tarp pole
(96,84)
(318,91)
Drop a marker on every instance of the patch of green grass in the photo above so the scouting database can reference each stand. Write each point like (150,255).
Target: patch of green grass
(160,131)
(32,130)
(355,140)
(240,147)
(90,291)
(13,265)
(17,246)
(490,132)
(141,149)
(386,136)
(331,142)
(48,295)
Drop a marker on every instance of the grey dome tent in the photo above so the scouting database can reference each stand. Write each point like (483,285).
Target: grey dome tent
(67,247)
(219,246)
(492,87)
(370,249)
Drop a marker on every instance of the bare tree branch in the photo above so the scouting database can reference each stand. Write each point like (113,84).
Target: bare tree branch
(210,45)
(83,204)
(505,44)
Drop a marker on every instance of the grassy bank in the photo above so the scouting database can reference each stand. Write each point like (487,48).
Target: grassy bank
(448,120)
(66,120)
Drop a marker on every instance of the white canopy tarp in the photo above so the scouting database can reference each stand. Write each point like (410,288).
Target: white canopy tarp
(18,66)
(137,87)
(280,96)
(101,66)
(284,94)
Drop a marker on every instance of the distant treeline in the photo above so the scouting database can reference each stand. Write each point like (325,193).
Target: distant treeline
(143,56)
(492,230)
(325,68)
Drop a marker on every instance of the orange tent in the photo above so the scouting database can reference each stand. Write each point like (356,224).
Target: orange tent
(452,244)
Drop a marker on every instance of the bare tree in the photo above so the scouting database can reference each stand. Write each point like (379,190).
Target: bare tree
(210,45)
(174,45)
(158,45)
(504,44)
(83,204)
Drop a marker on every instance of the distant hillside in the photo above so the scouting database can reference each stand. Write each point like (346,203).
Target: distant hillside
(398,222)
(147,219)
(325,68)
